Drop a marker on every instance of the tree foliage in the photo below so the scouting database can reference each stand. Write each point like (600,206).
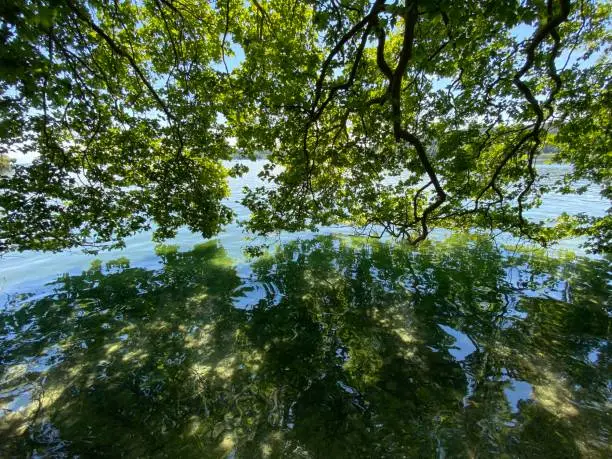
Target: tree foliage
(394,116)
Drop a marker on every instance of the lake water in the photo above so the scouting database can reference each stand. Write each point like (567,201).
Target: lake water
(329,346)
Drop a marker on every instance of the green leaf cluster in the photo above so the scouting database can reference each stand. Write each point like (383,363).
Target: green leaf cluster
(394,116)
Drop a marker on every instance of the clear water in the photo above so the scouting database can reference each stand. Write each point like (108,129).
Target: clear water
(330,347)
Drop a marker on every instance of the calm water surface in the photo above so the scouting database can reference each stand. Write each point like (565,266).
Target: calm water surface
(329,347)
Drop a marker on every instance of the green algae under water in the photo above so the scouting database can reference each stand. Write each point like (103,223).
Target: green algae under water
(328,347)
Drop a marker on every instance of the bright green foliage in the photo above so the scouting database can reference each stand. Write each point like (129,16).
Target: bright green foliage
(5,163)
(394,116)
(120,103)
(451,102)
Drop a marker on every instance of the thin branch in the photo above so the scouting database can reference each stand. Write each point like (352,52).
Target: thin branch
(121,52)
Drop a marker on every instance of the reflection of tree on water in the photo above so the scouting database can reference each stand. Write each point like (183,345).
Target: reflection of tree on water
(354,351)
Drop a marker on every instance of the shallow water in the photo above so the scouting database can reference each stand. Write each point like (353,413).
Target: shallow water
(327,347)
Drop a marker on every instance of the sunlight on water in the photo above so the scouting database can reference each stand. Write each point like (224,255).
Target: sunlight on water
(325,347)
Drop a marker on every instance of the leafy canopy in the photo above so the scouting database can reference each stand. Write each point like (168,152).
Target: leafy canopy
(394,116)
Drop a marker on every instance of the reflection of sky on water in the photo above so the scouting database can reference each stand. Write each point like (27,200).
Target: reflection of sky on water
(325,335)
(517,391)
(462,347)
